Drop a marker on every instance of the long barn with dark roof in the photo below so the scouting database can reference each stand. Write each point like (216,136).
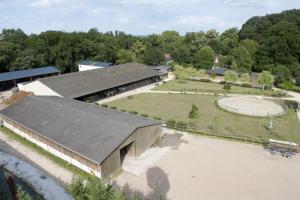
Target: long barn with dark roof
(93,138)
(95,84)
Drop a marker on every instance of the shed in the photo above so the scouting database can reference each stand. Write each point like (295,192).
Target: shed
(10,79)
(90,65)
(93,138)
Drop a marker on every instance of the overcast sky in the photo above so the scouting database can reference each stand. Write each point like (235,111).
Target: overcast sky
(138,17)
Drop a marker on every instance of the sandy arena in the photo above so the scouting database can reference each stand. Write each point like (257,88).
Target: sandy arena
(251,105)
(204,168)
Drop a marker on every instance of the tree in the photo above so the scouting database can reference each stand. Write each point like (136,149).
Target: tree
(242,57)
(230,76)
(245,77)
(153,56)
(204,58)
(282,74)
(124,56)
(250,45)
(194,113)
(229,40)
(265,78)
(138,49)
(227,87)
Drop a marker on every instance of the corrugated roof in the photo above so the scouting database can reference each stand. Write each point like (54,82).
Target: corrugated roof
(91,131)
(6,76)
(97,64)
(83,83)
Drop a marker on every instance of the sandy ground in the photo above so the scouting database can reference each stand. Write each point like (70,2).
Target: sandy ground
(206,168)
(48,165)
(251,105)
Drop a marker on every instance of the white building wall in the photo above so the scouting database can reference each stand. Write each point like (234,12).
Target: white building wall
(38,88)
(87,67)
(53,151)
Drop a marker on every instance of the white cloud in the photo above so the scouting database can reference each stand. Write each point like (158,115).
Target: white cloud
(51,3)
(200,21)
(252,3)
(123,20)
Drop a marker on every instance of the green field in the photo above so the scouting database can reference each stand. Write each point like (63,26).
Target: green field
(191,86)
(211,118)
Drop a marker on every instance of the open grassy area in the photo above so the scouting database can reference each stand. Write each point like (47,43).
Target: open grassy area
(191,86)
(211,118)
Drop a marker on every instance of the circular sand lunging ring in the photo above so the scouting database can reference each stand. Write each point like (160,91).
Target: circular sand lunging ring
(251,105)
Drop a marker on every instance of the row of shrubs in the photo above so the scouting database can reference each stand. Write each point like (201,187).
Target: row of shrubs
(123,110)
(289,86)
(180,124)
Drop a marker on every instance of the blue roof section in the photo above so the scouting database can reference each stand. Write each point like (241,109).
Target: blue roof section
(97,64)
(7,76)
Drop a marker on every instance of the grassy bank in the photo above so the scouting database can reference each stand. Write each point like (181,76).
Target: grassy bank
(57,160)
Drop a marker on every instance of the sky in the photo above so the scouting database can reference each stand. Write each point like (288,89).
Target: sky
(138,17)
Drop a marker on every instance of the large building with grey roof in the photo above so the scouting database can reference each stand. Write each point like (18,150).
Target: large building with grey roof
(93,138)
(95,84)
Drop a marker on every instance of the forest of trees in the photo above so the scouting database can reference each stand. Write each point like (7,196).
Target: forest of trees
(269,43)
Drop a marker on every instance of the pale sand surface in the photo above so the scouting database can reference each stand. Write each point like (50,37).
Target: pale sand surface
(213,169)
(251,105)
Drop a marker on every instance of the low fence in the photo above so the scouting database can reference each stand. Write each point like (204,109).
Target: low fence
(243,138)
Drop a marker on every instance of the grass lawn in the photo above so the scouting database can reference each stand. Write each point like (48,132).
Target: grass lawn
(177,85)
(211,119)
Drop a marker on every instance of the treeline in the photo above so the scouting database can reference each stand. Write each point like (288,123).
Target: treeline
(269,43)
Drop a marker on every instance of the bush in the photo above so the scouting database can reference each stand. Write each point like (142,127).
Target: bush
(113,107)
(181,81)
(289,86)
(104,105)
(93,188)
(157,118)
(133,112)
(130,97)
(171,122)
(181,125)
(123,110)
(194,112)
(205,80)
(227,87)
(248,85)
(144,115)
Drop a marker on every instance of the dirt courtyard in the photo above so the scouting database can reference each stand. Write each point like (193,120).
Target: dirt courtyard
(205,168)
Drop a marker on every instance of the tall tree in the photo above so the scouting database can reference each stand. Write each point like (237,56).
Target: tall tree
(204,58)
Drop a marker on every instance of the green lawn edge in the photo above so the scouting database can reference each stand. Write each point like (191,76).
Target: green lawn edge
(75,170)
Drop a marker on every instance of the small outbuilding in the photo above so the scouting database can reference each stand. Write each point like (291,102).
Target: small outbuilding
(93,138)
(11,79)
(90,65)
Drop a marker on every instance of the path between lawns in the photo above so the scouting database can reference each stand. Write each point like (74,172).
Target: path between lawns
(48,165)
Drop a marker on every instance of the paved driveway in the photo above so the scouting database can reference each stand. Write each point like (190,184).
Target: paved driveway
(206,168)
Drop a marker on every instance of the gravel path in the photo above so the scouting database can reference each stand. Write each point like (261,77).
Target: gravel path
(48,165)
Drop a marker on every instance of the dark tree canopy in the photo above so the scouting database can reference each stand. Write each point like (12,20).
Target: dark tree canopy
(263,43)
